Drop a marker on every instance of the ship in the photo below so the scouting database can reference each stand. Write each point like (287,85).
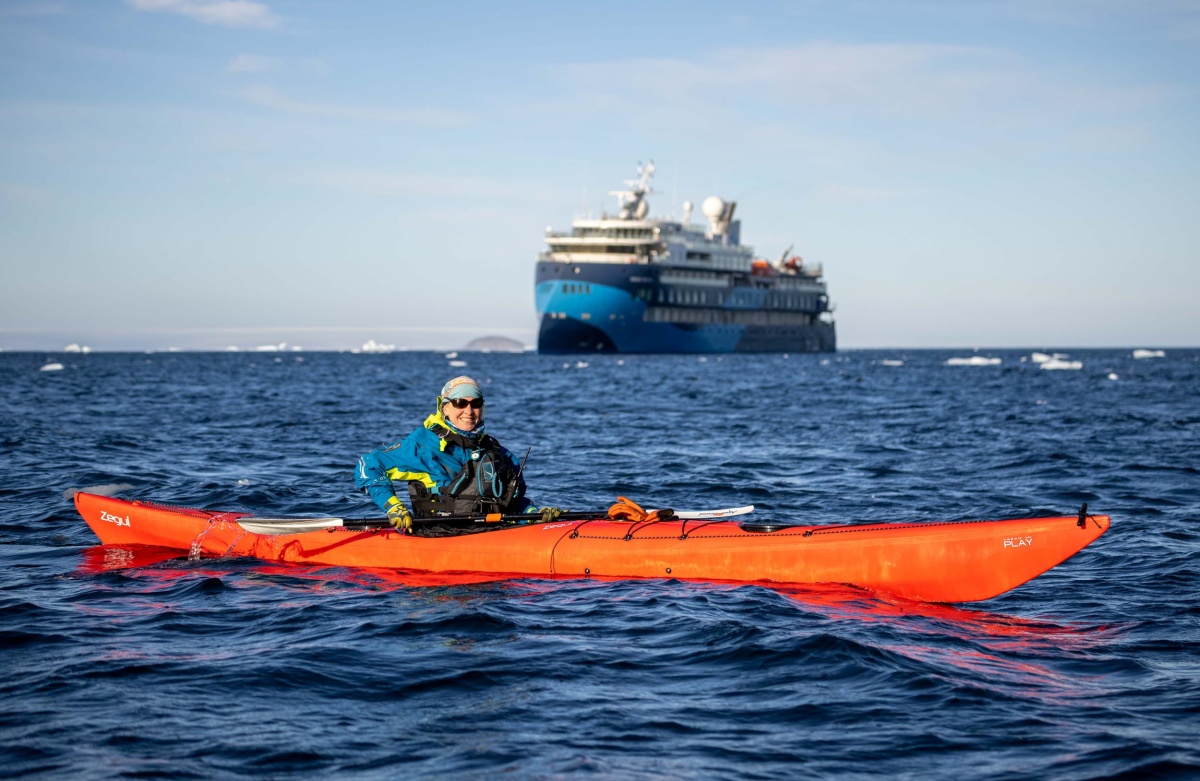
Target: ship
(628,283)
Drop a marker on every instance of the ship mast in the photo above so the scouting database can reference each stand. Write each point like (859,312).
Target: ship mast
(632,201)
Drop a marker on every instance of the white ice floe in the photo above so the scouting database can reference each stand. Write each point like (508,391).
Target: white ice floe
(243,481)
(372,346)
(1113,376)
(1140,353)
(233,349)
(581,364)
(1058,363)
(107,489)
(974,360)
(703,359)
(1044,358)
(891,362)
(51,367)
(458,364)
(452,355)
(271,348)
(77,348)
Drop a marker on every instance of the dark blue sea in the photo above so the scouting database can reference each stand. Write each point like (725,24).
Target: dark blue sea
(113,666)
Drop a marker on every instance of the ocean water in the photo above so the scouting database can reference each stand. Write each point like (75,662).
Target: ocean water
(152,666)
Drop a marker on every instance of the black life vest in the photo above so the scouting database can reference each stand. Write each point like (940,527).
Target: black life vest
(487,483)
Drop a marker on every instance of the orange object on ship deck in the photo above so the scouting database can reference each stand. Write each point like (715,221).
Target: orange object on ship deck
(960,561)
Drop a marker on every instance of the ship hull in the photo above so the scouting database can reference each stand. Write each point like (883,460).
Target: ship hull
(614,308)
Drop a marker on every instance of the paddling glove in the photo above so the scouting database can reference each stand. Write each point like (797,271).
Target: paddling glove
(551,513)
(399,516)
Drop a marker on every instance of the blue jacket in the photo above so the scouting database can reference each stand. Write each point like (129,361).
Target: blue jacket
(426,458)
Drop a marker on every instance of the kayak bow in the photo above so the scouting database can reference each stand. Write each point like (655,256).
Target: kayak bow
(961,561)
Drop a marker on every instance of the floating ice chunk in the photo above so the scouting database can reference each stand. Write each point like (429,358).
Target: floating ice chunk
(233,349)
(243,481)
(271,348)
(1113,376)
(1058,363)
(581,364)
(891,362)
(974,360)
(452,355)
(1039,357)
(702,359)
(372,346)
(297,348)
(51,367)
(1140,353)
(620,362)
(72,348)
(458,364)
(107,489)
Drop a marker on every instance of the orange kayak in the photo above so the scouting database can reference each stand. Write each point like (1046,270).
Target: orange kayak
(960,561)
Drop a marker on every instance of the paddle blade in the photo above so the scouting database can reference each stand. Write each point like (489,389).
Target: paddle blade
(277,526)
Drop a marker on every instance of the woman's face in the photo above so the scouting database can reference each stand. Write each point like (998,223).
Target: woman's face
(465,418)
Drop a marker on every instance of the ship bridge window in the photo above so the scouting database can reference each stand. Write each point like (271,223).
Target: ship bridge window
(693,255)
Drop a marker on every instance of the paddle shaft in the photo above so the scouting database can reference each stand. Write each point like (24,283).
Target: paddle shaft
(379,523)
(278,526)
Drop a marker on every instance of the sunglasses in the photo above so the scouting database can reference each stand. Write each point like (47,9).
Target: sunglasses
(464,403)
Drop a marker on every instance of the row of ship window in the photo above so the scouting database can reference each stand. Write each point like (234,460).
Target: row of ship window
(662,314)
(619,233)
(701,297)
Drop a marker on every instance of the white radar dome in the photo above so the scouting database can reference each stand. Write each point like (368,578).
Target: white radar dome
(713,207)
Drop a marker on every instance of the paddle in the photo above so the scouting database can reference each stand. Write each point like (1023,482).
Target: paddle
(275,526)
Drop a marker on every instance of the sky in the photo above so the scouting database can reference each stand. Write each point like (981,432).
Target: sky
(211,173)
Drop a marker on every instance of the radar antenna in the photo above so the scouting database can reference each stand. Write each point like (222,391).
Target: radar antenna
(633,200)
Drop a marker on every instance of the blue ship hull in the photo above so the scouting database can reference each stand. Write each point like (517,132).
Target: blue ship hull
(603,307)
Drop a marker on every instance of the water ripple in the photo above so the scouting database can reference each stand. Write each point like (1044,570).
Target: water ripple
(137,663)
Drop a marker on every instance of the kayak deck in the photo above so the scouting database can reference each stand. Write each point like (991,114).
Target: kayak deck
(960,561)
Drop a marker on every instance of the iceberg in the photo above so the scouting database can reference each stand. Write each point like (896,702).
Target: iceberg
(974,360)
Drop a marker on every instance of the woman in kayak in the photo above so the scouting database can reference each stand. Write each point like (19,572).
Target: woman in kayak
(451,466)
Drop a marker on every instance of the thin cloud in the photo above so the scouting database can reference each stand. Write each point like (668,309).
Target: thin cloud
(896,80)
(252,63)
(267,97)
(228,13)
(34,9)
(24,193)
(864,194)
(378,183)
